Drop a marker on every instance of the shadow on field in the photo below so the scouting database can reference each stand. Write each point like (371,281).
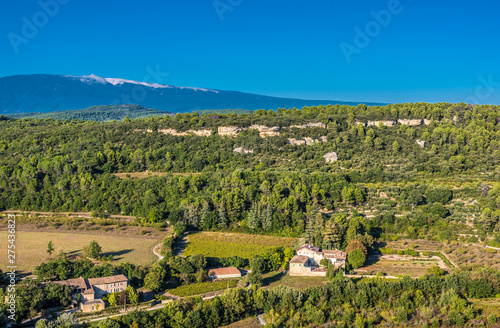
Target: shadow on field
(116,254)
(269,280)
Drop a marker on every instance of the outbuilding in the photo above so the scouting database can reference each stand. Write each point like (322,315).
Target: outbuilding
(224,273)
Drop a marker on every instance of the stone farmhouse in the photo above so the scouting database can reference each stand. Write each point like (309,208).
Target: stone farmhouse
(92,290)
(306,262)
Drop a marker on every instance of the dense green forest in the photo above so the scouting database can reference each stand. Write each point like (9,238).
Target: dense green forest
(53,165)
(97,113)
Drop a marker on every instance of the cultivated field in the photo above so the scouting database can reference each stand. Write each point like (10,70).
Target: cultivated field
(31,247)
(220,244)
(402,265)
(273,279)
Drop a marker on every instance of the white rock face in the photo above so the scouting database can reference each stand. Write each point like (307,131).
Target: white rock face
(266,131)
(294,141)
(421,143)
(330,157)
(242,150)
(416,122)
(309,125)
(427,122)
(306,141)
(377,123)
(200,133)
(229,130)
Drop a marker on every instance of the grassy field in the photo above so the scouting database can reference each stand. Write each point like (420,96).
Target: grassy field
(220,244)
(273,279)
(31,247)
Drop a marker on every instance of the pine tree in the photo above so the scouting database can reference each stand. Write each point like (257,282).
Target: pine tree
(328,235)
(222,216)
(50,248)
(267,218)
(253,217)
(204,214)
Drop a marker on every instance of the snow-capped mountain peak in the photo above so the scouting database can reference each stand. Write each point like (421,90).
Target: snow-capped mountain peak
(117,81)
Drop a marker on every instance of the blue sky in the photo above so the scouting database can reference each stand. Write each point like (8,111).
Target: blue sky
(423,51)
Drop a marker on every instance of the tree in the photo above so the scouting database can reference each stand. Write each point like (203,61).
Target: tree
(355,244)
(155,277)
(132,295)
(198,261)
(112,299)
(435,270)
(255,278)
(93,251)
(253,217)
(258,264)
(50,248)
(396,147)
(222,216)
(356,258)
(267,218)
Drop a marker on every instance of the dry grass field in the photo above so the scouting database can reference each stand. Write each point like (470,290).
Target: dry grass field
(409,266)
(31,247)
(221,244)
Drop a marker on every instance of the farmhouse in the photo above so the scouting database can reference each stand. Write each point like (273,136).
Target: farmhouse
(224,273)
(92,290)
(306,262)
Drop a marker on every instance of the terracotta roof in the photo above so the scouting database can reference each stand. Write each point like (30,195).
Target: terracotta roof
(87,284)
(299,259)
(107,280)
(223,271)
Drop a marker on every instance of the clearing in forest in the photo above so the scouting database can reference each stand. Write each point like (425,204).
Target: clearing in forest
(31,247)
(223,244)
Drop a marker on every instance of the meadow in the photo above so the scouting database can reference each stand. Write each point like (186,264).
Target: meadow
(221,244)
(31,247)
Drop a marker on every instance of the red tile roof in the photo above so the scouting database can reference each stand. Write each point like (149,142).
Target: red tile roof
(299,259)
(224,271)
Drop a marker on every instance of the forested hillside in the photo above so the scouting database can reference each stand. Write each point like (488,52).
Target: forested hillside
(97,113)
(411,180)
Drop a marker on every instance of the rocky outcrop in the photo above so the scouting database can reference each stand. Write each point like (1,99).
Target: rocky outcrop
(242,150)
(200,133)
(266,131)
(421,143)
(427,122)
(377,123)
(330,157)
(416,122)
(306,141)
(294,141)
(230,131)
(309,125)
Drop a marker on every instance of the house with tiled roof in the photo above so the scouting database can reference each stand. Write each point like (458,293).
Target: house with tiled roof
(93,289)
(306,262)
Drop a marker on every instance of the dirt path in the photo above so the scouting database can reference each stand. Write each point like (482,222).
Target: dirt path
(156,251)
(86,215)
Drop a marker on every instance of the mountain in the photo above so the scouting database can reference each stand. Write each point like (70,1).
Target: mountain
(97,113)
(47,93)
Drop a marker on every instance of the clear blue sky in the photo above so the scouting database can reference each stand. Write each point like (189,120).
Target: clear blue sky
(429,51)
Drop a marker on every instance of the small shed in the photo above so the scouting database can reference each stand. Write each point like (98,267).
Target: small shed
(224,273)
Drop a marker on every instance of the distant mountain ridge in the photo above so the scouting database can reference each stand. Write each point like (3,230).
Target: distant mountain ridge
(97,113)
(43,93)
